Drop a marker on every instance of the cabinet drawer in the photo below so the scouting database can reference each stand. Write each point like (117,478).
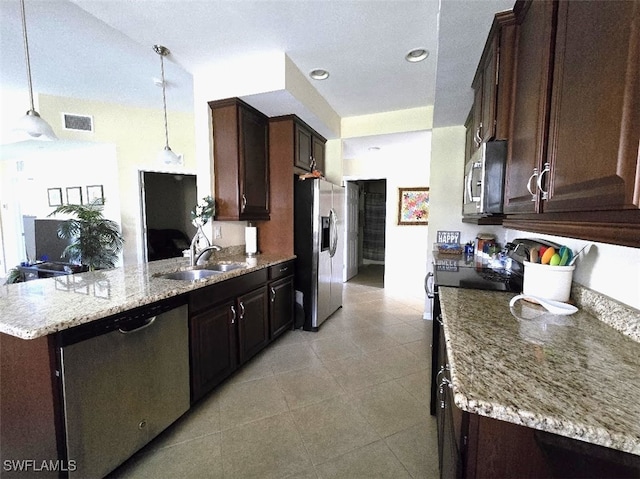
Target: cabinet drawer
(281,270)
(219,292)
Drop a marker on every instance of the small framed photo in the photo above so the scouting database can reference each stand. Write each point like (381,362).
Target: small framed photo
(74,195)
(413,206)
(95,194)
(55,196)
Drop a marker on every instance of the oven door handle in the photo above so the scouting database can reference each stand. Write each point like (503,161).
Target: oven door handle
(428,285)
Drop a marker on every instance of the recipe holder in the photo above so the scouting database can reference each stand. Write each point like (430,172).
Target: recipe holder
(547,282)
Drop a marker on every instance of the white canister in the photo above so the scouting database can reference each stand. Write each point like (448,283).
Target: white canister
(546,281)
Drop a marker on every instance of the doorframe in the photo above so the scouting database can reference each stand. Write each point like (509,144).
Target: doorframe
(353,179)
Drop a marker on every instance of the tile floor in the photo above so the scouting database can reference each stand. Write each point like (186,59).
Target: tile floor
(350,401)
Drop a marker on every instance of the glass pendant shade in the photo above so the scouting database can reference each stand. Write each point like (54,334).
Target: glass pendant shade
(34,127)
(168,157)
(31,125)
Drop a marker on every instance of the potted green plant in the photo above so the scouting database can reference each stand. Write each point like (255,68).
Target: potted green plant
(96,240)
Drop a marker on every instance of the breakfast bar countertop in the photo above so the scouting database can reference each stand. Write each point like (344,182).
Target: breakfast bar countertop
(575,376)
(37,308)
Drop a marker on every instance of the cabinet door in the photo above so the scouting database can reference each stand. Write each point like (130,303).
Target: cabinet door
(595,108)
(253,322)
(254,168)
(531,101)
(477,113)
(213,348)
(318,153)
(489,87)
(281,305)
(304,148)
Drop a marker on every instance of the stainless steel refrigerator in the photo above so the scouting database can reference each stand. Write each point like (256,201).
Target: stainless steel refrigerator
(318,245)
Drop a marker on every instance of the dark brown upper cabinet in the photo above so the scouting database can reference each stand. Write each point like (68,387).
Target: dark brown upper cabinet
(309,147)
(489,115)
(574,159)
(240,160)
(527,141)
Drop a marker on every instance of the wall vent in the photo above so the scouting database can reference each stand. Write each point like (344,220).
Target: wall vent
(77,122)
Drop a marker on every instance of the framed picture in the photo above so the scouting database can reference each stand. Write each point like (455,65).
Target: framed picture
(74,195)
(55,196)
(413,206)
(95,194)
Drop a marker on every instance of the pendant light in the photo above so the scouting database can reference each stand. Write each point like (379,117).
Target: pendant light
(31,123)
(166,156)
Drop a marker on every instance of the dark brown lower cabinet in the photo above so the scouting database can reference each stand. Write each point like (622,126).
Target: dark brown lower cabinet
(232,321)
(281,305)
(214,349)
(474,446)
(253,323)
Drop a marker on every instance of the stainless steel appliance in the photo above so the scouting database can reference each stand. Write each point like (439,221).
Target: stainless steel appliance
(318,245)
(124,380)
(484,180)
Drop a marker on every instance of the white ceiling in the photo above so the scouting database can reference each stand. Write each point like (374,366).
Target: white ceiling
(101,49)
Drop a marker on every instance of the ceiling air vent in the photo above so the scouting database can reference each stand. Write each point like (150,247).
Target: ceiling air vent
(77,122)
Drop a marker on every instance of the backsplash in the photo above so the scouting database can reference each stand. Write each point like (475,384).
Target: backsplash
(619,316)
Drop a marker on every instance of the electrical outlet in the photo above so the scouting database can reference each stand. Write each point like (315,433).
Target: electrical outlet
(217,232)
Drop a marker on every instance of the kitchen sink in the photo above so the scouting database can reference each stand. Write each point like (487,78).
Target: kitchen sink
(206,272)
(190,275)
(223,267)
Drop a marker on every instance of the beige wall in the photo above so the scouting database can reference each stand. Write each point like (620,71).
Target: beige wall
(402,165)
(138,135)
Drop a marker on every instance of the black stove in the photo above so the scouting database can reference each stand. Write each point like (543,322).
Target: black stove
(461,273)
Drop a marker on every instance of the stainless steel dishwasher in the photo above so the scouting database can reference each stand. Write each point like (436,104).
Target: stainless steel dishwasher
(124,380)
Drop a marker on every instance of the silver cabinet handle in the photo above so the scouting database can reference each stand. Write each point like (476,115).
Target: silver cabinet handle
(148,323)
(445,382)
(428,285)
(478,135)
(534,175)
(282,270)
(273,294)
(545,194)
(444,368)
(241,310)
(233,318)
(244,201)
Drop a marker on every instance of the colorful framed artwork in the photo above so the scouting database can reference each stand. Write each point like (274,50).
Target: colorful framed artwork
(413,206)
(55,196)
(95,194)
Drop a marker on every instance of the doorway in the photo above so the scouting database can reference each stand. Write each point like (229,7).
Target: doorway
(167,200)
(366,227)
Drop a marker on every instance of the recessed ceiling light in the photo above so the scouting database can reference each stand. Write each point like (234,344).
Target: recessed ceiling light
(416,55)
(319,74)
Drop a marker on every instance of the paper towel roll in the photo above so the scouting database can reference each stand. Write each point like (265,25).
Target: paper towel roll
(251,240)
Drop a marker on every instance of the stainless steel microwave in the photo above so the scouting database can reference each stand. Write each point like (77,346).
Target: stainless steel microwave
(484,180)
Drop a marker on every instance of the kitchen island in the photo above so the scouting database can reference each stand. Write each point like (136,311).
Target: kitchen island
(551,383)
(37,308)
(63,334)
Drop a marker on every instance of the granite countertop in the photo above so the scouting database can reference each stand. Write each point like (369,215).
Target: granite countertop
(37,308)
(575,376)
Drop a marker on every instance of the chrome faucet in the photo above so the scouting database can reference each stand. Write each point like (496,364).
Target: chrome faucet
(194,255)
(200,254)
